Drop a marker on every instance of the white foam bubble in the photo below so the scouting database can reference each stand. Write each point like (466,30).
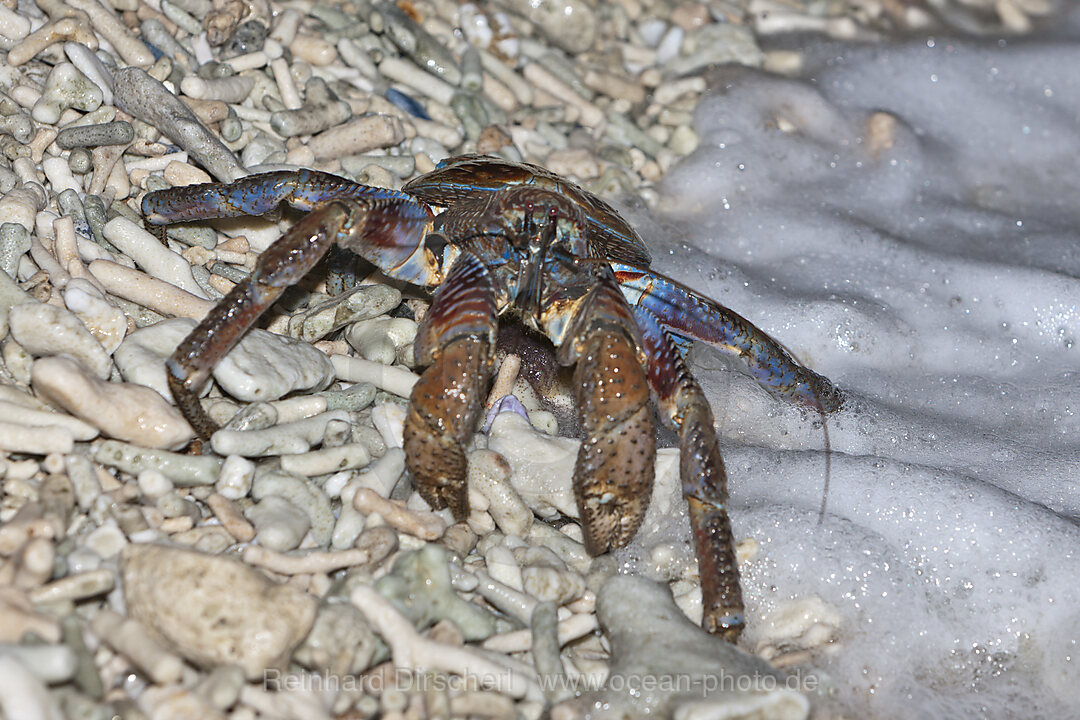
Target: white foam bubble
(934,277)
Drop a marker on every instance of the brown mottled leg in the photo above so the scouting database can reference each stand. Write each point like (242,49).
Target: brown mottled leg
(615,467)
(704,481)
(456,341)
(281,265)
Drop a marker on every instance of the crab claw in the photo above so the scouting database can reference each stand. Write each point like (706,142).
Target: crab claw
(456,342)
(615,467)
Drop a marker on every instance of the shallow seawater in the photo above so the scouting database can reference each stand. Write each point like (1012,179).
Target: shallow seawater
(926,259)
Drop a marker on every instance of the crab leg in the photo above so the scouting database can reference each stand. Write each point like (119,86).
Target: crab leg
(456,341)
(256,195)
(613,476)
(283,263)
(385,227)
(366,226)
(703,478)
(690,315)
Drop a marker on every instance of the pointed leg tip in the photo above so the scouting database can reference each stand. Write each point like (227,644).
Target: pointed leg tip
(597,542)
(726,623)
(441,493)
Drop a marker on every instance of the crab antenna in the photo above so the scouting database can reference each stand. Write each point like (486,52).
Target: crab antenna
(828,444)
(828,466)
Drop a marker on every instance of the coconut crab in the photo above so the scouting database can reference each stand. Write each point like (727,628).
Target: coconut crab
(513,238)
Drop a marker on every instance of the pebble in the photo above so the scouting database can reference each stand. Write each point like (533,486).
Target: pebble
(411,650)
(278,524)
(418,523)
(35,440)
(552,584)
(142,96)
(23,695)
(489,474)
(380,339)
(419,587)
(109,27)
(321,110)
(248,37)
(65,88)
(381,477)
(567,24)
(503,567)
(651,638)
(361,303)
(106,541)
(106,322)
(372,548)
(215,610)
(341,642)
(590,115)
(265,366)
(21,415)
(81,585)
(301,494)
(393,379)
(50,664)
(237,474)
(230,517)
(285,439)
(149,292)
(182,470)
(715,44)
(354,398)
(45,330)
(356,136)
(150,255)
(84,482)
(120,410)
(231,89)
(222,686)
(141,357)
(111,133)
(14,244)
(327,460)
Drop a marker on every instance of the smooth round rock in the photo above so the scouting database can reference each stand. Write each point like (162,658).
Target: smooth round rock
(45,330)
(215,610)
(262,367)
(651,638)
(120,410)
(568,24)
(265,366)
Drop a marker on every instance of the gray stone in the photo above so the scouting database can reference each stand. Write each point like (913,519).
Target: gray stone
(215,610)
(662,665)
(419,586)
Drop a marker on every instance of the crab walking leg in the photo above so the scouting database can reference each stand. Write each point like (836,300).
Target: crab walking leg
(456,341)
(690,315)
(704,481)
(613,476)
(256,195)
(282,265)
(385,227)
(362,226)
